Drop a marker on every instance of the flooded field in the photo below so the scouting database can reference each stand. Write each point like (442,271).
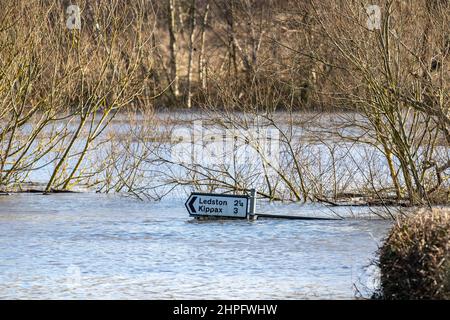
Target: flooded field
(114,113)
(106,246)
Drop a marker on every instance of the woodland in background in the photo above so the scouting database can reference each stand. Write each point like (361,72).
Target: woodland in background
(60,89)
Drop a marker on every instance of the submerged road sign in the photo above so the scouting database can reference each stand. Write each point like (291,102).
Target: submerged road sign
(217,205)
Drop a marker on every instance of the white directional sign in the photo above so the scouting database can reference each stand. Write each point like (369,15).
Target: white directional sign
(217,205)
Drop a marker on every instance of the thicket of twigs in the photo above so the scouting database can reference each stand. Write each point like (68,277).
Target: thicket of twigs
(61,89)
(295,55)
(415,259)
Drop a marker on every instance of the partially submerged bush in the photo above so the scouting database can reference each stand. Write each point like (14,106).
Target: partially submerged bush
(415,259)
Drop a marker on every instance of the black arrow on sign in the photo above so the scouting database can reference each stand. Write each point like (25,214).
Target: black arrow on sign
(191,205)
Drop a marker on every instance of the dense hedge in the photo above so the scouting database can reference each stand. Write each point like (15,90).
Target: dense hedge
(415,259)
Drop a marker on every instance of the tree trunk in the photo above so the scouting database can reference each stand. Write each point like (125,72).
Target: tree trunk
(231,38)
(173,48)
(201,57)
(191,49)
(66,152)
(392,172)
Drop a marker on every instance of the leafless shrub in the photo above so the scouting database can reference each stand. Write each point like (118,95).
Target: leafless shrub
(60,88)
(414,260)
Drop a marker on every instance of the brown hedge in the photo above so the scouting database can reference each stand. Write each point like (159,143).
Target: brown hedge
(415,259)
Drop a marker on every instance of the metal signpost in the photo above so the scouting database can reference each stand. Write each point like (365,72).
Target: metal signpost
(232,206)
(217,205)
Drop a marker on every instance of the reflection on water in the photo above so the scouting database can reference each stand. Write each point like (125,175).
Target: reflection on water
(106,246)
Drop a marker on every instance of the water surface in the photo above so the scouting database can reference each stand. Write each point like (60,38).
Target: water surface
(107,246)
